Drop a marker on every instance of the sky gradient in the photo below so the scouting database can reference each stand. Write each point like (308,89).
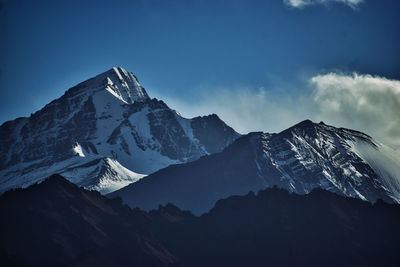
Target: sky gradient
(202,55)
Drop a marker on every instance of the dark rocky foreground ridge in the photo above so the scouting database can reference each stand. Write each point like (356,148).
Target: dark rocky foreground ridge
(56,223)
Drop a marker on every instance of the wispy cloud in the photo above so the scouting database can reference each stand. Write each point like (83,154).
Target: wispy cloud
(303,3)
(362,102)
(245,109)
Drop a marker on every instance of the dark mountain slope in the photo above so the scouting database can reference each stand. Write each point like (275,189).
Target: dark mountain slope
(57,223)
(196,186)
(276,228)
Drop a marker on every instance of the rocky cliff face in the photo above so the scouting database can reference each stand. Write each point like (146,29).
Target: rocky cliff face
(103,134)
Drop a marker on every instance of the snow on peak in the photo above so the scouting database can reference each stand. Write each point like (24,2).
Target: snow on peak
(124,85)
(118,82)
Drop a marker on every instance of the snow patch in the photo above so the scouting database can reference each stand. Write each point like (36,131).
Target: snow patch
(116,177)
(78,150)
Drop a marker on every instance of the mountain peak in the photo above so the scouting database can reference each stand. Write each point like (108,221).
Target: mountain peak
(119,82)
(123,85)
(121,73)
(304,123)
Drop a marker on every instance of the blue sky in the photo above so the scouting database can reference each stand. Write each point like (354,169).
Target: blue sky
(195,53)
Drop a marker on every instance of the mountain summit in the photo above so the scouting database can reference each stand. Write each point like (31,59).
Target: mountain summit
(104,133)
(118,82)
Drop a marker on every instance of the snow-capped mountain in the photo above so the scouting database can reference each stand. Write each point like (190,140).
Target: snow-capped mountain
(103,134)
(299,159)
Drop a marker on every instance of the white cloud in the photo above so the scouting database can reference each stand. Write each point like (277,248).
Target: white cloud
(303,3)
(362,102)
